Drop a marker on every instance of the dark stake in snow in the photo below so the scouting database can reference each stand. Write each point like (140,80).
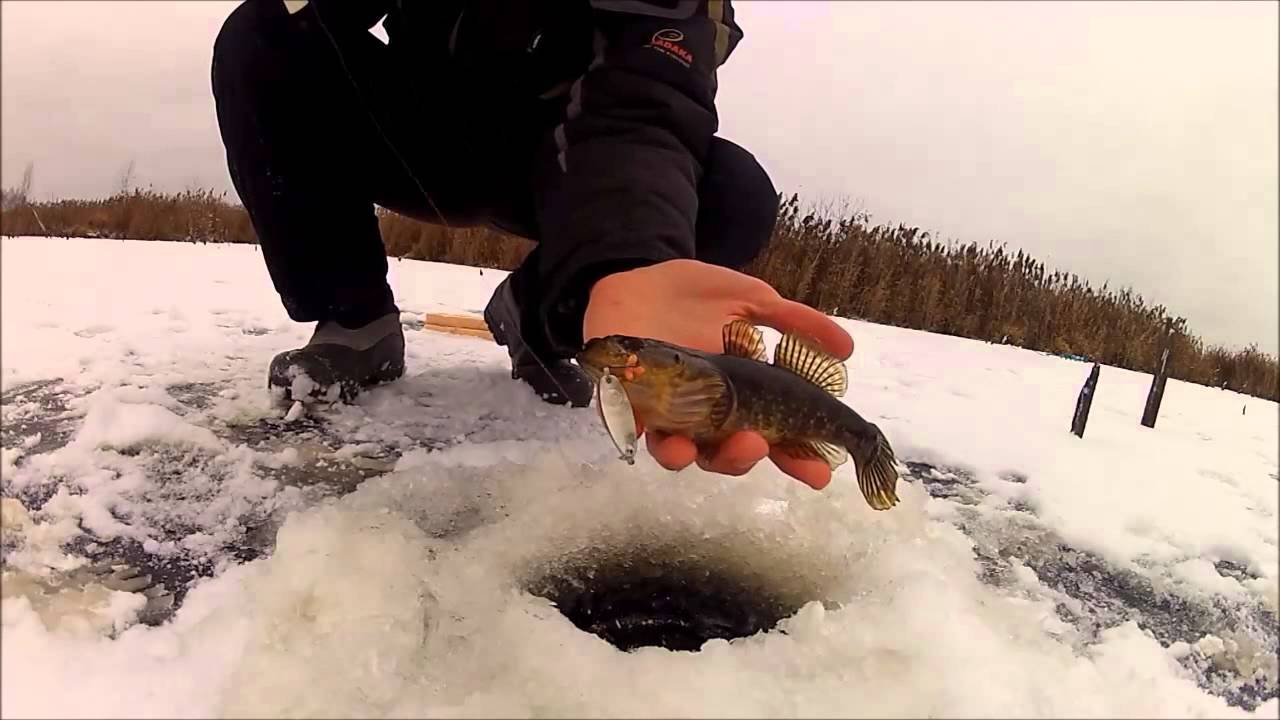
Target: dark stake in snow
(1156,394)
(1084,402)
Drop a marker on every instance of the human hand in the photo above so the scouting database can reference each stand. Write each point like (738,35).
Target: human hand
(687,302)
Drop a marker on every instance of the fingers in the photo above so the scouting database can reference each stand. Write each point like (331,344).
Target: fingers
(788,316)
(673,452)
(811,471)
(736,456)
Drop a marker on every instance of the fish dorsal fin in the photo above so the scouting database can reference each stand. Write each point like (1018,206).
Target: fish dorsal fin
(743,339)
(812,364)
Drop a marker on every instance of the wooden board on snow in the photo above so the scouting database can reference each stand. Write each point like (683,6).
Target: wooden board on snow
(471,325)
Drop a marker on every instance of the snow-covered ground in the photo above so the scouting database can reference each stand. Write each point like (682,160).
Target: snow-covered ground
(1026,573)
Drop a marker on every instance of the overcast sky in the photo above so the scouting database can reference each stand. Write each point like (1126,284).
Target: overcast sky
(1135,143)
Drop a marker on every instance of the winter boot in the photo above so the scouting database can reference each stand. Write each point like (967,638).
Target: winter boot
(556,380)
(338,363)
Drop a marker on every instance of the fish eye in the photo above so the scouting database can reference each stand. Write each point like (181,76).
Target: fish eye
(677,358)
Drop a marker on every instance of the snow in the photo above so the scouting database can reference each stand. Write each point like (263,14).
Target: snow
(1008,582)
(109,423)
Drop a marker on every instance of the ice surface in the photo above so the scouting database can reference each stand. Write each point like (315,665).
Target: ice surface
(1026,572)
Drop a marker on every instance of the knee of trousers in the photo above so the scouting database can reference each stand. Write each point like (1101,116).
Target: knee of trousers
(260,48)
(737,206)
(242,40)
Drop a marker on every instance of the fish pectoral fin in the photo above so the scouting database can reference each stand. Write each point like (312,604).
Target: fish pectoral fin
(810,363)
(878,474)
(832,454)
(722,408)
(693,404)
(743,339)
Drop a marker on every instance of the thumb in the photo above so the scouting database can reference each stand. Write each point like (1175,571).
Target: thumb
(788,316)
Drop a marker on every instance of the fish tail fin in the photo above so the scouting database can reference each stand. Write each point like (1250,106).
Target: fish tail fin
(876,467)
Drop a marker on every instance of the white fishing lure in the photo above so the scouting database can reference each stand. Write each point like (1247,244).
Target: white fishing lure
(616,414)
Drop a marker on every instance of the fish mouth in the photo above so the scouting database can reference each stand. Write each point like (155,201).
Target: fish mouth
(603,355)
(594,371)
(590,368)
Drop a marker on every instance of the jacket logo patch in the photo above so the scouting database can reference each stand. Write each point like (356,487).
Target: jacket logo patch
(668,42)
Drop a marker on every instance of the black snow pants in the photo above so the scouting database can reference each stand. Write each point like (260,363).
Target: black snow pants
(315,137)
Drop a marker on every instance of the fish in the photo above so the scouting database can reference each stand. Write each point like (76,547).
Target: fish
(615,412)
(793,402)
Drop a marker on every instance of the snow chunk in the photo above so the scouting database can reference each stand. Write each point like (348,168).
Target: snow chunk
(110,424)
(346,591)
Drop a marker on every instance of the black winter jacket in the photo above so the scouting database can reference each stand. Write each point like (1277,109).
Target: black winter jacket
(617,173)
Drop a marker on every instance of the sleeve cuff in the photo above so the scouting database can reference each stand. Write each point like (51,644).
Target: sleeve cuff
(562,315)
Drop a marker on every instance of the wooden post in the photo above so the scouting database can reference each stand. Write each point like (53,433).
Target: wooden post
(1156,393)
(1084,402)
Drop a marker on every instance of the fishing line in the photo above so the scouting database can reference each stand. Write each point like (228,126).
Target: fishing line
(386,139)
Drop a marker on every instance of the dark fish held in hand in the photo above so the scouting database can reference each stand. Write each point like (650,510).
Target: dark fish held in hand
(793,402)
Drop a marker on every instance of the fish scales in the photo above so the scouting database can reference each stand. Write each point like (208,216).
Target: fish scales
(779,404)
